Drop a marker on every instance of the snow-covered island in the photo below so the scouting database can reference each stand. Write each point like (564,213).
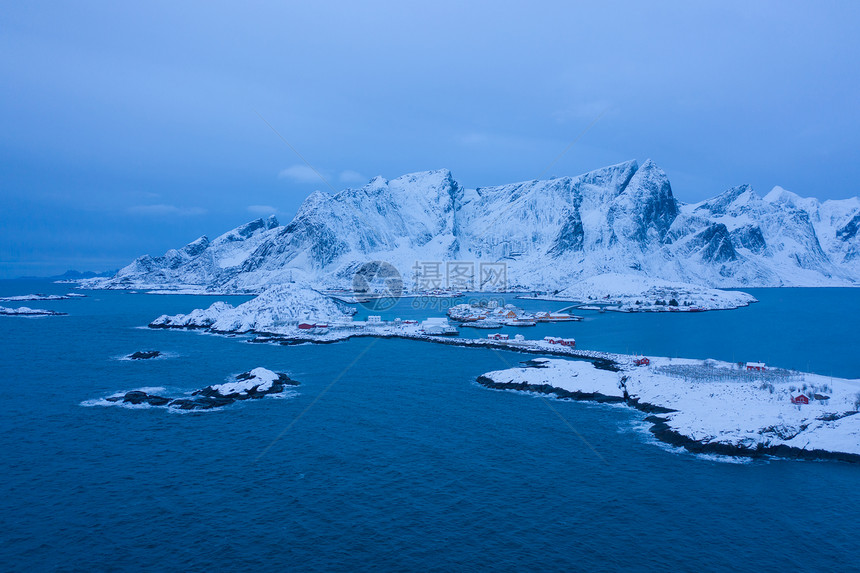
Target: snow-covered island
(636,293)
(26,311)
(280,309)
(710,406)
(31,297)
(256,383)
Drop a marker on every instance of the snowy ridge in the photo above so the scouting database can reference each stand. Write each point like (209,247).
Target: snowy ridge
(194,266)
(621,219)
(711,402)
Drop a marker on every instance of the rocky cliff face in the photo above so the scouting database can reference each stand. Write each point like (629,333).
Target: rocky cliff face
(621,219)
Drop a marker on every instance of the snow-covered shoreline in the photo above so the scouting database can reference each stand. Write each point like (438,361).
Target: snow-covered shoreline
(711,406)
(633,293)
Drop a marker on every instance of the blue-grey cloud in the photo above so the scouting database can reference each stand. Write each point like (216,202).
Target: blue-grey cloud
(300,174)
(349,176)
(161,209)
(262,210)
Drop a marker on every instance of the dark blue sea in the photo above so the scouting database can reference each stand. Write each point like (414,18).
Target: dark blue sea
(390,456)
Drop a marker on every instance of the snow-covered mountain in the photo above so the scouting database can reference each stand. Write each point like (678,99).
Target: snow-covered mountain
(618,219)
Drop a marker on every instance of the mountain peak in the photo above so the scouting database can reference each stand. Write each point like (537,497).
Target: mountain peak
(780,195)
(377,182)
(645,204)
(730,199)
(432,177)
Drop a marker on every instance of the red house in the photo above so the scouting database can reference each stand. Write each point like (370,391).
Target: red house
(644,361)
(306,325)
(760,366)
(802,399)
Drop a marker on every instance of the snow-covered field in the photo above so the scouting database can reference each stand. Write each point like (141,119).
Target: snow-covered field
(636,293)
(717,402)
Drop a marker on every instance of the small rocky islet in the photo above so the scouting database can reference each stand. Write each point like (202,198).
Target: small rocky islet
(144,355)
(256,383)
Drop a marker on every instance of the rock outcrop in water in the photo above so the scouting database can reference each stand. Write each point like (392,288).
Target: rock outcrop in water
(144,355)
(256,383)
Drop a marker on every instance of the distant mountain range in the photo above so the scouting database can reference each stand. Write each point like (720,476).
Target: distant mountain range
(72,275)
(618,219)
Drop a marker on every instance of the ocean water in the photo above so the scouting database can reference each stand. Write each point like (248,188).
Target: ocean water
(391,457)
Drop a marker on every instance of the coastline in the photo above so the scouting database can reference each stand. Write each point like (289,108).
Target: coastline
(620,365)
(663,432)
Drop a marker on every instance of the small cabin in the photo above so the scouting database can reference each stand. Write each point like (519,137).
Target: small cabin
(497,336)
(552,339)
(307,325)
(374,319)
(519,338)
(757,366)
(802,399)
(567,342)
(644,361)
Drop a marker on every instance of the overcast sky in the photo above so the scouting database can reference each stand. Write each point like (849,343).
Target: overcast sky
(131,129)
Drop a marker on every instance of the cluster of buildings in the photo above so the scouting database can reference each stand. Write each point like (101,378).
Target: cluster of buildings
(492,315)
(560,341)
